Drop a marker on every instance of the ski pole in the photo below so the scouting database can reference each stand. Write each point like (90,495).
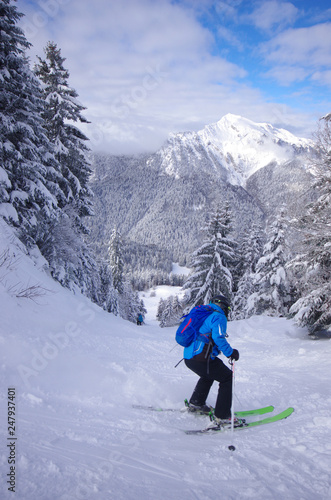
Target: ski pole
(232,447)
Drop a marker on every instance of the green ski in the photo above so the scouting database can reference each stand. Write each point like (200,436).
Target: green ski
(240,414)
(268,420)
(258,411)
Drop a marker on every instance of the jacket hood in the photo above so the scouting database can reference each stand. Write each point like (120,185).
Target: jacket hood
(217,308)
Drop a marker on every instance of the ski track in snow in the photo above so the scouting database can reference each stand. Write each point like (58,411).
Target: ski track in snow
(78,436)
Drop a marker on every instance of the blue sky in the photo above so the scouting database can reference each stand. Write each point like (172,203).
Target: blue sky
(145,68)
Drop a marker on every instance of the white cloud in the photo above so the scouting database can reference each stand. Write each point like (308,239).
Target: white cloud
(287,75)
(273,14)
(137,65)
(310,47)
(143,68)
(323,77)
(230,37)
(227,9)
(299,53)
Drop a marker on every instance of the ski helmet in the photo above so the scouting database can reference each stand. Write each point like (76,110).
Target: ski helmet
(222,302)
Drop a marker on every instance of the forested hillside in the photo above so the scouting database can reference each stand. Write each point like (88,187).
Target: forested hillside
(162,200)
(153,208)
(108,226)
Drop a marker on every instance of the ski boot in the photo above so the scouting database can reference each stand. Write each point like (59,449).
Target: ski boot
(200,409)
(217,423)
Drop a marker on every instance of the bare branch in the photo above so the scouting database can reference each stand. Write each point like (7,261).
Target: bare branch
(29,292)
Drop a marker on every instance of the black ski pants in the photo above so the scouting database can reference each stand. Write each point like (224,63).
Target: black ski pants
(209,372)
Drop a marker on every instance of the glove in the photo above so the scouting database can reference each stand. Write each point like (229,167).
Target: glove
(235,355)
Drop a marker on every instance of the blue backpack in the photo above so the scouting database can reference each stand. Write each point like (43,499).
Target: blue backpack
(188,330)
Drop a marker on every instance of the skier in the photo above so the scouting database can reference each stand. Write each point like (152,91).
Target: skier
(201,358)
(140,320)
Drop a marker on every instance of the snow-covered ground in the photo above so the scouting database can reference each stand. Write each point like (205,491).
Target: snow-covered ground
(77,371)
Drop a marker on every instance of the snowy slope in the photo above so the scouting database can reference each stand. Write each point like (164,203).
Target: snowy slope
(234,146)
(77,371)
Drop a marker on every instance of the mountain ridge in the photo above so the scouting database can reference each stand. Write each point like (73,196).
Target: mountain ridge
(163,198)
(235,145)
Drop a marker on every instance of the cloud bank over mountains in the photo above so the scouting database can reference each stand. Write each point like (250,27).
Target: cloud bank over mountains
(145,69)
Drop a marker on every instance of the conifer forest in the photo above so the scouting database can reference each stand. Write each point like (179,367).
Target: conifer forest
(111,226)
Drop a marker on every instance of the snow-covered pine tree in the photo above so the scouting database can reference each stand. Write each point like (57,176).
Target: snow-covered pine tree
(167,313)
(141,307)
(272,287)
(212,262)
(61,111)
(28,179)
(250,252)
(130,304)
(108,296)
(171,312)
(160,309)
(313,308)
(115,250)
(178,309)
(70,260)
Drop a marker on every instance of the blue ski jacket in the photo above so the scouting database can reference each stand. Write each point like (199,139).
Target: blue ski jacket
(215,324)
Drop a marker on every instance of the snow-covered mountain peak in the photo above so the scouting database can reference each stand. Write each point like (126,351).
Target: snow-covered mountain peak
(234,147)
(237,127)
(248,146)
